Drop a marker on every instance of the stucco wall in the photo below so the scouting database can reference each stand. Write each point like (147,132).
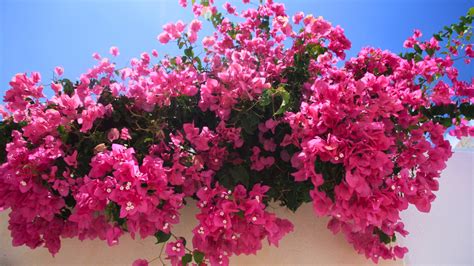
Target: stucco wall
(310,244)
(445,236)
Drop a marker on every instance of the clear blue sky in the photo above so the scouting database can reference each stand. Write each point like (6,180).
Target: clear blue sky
(37,35)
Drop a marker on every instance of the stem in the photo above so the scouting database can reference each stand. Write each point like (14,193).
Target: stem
(161,252)
(458,58)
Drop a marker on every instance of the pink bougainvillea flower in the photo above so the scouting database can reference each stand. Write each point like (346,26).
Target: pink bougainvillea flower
(124,134)
(183,3)
(469,51)
(164,37)
(140,262)
(298,17)
(208,41)
(71,160)
(113,134)
(96,56)
(195,25)
(175,251)
(114,51)
(229,8)
(59,71)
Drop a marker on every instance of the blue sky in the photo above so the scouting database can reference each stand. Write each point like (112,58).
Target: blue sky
(37,35)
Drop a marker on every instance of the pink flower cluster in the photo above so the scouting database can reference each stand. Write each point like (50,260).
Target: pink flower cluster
(235,222)
(124,150)
(344,123)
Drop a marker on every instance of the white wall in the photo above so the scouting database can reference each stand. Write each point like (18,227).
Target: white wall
(445,236)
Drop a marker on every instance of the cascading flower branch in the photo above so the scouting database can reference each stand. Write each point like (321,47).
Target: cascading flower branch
(266,115)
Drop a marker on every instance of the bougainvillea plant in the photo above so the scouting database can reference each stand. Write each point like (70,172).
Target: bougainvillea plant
(267,114)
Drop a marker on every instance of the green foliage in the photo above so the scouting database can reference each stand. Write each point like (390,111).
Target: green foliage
(198,256)
(239,174)
(112,213)
(272,102)
(333,174)
(63,133)
(445,114)
(231,175)
(293,194)
(384,238)
(467,110)
(68,87)
(187,258)
(249,121)
(265,24)
(285,100)
(64,213)
(462,29)
(6,129)
(162,237)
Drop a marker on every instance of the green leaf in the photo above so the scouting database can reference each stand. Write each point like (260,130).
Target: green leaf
(180,43)
(63,133)
(314,50)
(240,214)
(232,33)
(189,52)
(418,58)
(285,100)
(162,237)
(438,37)
(173,61)
(198,256)
(448,29)
(418,48)
(471,12)
(112,212)
(266,97)
(430,51)
(187,259)
(264,23)
(64,213)
(446,121)
(467,110)
(384,238)
(458,28)
(445,109)
(22,124)
(199,63)
(70,201)
(249,122)
(68,87)
(240,175)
